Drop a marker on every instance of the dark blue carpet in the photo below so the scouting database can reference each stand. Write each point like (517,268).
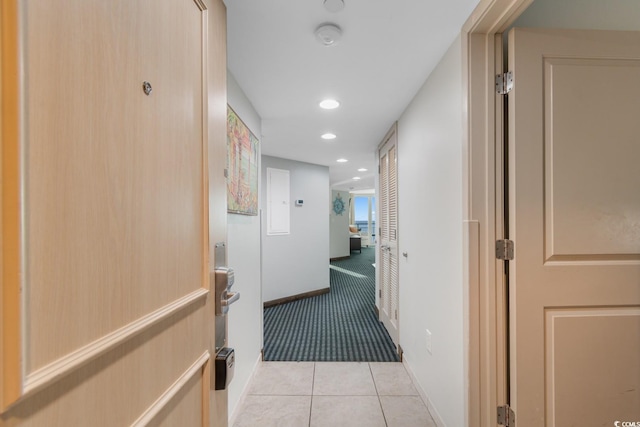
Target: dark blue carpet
(338,326)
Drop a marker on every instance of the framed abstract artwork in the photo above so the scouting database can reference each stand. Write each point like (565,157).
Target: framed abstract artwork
(242,165)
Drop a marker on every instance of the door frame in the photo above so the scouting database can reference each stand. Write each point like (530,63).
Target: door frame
(483,209)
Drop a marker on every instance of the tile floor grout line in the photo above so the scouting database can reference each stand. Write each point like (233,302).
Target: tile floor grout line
(384,417)
(313,385)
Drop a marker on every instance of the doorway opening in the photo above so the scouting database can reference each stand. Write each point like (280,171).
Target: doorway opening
(362,215)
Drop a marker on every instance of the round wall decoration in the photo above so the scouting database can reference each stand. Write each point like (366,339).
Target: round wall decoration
(338,205)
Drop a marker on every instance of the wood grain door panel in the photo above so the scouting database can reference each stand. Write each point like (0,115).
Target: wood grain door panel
(110,211)
(113,188)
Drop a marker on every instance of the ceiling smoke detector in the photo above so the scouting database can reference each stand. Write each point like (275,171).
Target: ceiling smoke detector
(334,5)
(329,34)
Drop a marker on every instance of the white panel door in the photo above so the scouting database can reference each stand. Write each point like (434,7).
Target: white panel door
(574,199)
(388,249)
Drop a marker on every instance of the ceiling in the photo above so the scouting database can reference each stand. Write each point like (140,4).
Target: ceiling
(387,50)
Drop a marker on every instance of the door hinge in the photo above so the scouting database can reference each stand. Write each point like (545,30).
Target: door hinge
(504,249)
(379,293)
(506,416)
(504,83)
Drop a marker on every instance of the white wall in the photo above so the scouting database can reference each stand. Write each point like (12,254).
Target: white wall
(243,253)
(430,231)
(339,224)
(297,262)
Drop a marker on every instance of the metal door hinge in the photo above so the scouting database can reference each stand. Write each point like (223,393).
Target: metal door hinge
(504,249)
(504,83)
(506,416)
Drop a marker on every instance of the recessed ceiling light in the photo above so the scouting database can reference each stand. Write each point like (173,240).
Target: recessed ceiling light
(342,160)
(362,170)
(328,136)
(329,104)
(355,178)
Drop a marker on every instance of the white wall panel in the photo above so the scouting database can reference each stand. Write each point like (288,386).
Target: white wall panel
(430,205)
(243,255)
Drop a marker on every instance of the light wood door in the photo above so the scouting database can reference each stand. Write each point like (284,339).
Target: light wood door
(574,151)
(388,248)
(107,318)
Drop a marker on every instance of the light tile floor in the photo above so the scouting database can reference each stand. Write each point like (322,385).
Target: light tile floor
(333,394)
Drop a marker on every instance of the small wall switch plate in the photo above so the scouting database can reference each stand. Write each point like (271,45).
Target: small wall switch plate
(428,336)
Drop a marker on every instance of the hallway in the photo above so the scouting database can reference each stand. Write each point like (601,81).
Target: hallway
(332,394)
(339,326)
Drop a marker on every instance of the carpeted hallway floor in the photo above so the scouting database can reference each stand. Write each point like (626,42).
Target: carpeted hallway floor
(338,326)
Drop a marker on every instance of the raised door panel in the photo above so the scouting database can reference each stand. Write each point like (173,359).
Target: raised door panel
(135,381)
(113,218)
(592,208)
(592,374)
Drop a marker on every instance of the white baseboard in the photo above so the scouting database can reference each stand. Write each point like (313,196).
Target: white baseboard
(245,391)
(432,410)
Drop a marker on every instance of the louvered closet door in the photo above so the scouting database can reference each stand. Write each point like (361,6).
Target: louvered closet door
(388,249)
